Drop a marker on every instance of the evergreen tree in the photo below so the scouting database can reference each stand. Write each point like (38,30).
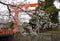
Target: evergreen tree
(49,3)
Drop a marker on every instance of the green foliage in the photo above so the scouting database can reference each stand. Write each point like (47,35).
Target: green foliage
(49,3)
(11,25)
(51,9)
(53,13)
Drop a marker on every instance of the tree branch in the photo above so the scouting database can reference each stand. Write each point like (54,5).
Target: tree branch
(17,7)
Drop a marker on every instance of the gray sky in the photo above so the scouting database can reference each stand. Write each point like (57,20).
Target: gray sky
(57,4)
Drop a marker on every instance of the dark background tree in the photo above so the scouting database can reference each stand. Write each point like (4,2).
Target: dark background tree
(51,9)
(49,3)
(53,13)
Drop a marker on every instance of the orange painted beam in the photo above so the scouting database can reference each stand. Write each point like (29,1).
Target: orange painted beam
(25,5)
(16,21)
(6,32)
(33,5)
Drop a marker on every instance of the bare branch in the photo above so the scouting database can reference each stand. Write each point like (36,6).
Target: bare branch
(17,7)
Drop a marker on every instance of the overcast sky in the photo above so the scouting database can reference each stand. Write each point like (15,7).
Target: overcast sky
(57,4)
(3,8)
